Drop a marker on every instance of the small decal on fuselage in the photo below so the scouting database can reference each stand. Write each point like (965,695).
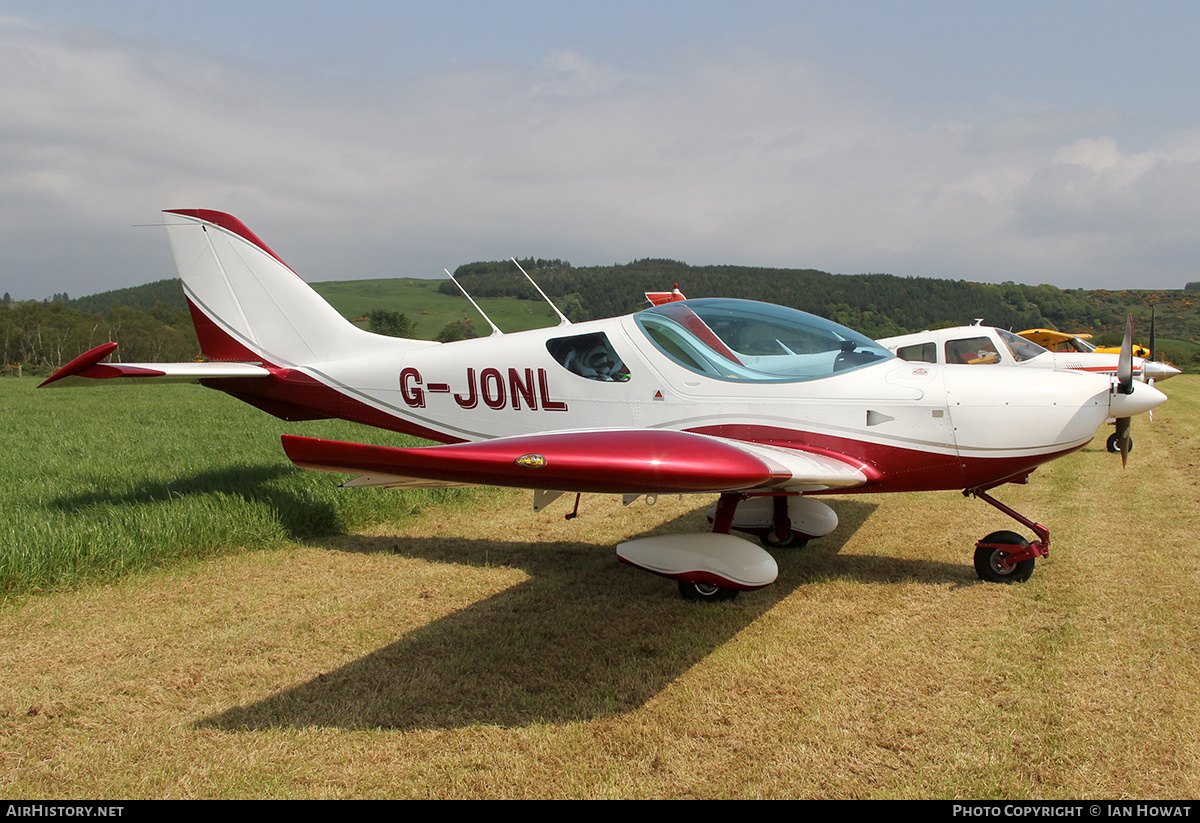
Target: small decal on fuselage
(519,390)
(531,461)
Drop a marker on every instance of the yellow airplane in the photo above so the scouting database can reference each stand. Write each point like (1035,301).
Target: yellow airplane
(1058,341)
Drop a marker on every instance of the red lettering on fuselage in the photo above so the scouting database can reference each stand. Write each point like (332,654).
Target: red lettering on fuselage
(472,398)
(519,392)
(492,386)
(517,389)
(544,385)
(414,397)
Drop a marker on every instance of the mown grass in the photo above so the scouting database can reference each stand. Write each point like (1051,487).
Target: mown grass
(102,481)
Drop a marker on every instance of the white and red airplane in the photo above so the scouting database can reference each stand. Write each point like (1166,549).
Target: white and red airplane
(765,406)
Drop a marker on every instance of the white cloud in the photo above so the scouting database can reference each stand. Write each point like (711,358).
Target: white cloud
(731,157)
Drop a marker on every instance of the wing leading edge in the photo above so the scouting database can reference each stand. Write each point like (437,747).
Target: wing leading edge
(641,461)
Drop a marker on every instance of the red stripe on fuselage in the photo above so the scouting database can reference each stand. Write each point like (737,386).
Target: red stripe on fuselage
(289,394)
(293,395)
(891,468)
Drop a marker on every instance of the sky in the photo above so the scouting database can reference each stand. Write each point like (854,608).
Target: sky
(1038,142)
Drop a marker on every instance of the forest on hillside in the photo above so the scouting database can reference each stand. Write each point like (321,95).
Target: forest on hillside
(879,305)
(39,337)
(151,323)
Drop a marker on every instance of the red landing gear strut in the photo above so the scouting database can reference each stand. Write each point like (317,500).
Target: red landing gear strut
(726,507)
(780,534)
(1006,557)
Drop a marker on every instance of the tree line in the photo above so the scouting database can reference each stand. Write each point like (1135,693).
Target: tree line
(152,324)
(38,338)
(879,305)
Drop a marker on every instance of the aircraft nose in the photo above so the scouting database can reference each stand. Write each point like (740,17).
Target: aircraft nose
(1143,398)
(1154,370)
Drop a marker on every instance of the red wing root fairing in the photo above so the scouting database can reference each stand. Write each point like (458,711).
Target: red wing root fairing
(617,462)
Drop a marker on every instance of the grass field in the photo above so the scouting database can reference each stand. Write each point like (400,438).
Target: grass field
(102,481)
(472,648)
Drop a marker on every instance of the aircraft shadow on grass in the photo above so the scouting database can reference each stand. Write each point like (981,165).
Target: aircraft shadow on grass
(584,637)
(299,515)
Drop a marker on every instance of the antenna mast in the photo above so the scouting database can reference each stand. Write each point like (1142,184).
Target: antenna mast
(495,328)
(562,318)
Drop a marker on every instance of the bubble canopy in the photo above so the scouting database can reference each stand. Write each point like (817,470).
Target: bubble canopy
(746,341)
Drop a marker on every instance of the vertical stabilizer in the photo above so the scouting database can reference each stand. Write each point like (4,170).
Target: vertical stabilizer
(248,305)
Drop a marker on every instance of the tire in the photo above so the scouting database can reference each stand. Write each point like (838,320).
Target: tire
(705,592)
(987,558)
(794,540)
(1114,444)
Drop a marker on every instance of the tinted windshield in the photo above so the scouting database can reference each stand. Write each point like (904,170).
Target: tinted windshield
(757,342)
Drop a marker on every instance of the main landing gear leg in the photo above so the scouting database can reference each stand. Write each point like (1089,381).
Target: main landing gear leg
(726,509)
(722,524)
(1006,557)
(781,535)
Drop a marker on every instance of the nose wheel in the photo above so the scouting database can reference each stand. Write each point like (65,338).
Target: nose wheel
(1114,444)
(1007,557)
(994,563)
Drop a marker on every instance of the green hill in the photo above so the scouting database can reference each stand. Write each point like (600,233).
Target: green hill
(429,308)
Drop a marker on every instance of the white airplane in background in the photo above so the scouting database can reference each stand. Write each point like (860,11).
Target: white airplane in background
(766,406)
(980,345)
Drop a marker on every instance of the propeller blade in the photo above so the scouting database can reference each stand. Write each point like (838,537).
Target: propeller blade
(1123,426)
(1153,346)
(1125,360)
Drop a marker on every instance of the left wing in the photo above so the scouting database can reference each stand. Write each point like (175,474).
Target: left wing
(624,461)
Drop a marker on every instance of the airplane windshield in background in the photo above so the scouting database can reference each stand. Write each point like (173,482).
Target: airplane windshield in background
(1021,348)
(755,342)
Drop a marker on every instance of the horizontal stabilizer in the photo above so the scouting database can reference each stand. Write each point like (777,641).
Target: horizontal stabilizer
(88,365)
(613,461)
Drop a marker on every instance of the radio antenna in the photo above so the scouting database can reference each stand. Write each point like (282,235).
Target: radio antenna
(495,328)
(562,318)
